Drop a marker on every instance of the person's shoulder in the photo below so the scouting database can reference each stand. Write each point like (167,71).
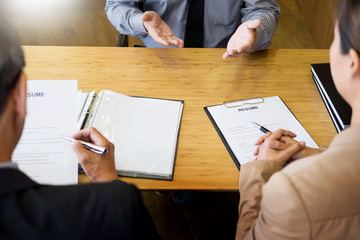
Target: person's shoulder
(282,209)
(92,192)
(334,172)
(114,188)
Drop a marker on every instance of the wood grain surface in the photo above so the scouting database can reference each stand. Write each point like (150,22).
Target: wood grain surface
(201,78)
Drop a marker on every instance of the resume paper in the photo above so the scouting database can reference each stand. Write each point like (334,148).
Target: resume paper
(42,153)
(235,123)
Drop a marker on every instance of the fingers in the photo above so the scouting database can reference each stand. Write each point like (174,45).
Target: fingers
(169,41)
(92,135)
(99,167)
(280,141)
(278,134)
(287,140)
(226,55)
(257,150)
(83,134)
(81,152)
(253,24)
(174,41)
(147,16)
(159,30)
(262,138)
(277,145)
(240,51)
(97,138)
(289,152)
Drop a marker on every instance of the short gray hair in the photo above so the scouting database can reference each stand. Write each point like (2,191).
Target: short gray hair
(11,61)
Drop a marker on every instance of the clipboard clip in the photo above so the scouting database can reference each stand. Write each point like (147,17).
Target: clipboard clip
(242,102)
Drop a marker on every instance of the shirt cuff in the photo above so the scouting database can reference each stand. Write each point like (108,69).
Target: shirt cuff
(139,24)
(256,47)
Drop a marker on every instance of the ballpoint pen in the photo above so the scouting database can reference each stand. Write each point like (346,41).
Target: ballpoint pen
(89,146)
(261,128)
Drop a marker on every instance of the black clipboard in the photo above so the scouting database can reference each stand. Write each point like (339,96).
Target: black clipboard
(231,104)
(255,101)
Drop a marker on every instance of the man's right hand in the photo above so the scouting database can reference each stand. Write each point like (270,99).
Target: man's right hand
(159,30)
(98,167)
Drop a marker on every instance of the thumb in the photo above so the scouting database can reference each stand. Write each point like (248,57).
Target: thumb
(253,24)
(147,16)
(293,149)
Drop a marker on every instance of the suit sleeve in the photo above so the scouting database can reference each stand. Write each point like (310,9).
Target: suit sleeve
(274,210)
(139,218)
(253,176)
(268,12)
(125,16)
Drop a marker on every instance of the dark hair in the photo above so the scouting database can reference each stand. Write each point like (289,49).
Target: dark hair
(11,61)
(348,15)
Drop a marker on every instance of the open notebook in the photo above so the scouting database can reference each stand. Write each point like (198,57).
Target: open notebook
(144,130)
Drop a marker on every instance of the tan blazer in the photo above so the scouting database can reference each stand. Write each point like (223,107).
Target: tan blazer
(316,197)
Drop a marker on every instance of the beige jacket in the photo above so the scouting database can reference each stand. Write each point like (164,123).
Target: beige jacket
(316,197)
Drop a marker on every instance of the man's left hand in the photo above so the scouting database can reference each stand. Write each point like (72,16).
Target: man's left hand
(243,39)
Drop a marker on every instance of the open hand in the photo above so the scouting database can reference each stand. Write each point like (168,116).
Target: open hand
(159,30)
(98,167)
(243,39)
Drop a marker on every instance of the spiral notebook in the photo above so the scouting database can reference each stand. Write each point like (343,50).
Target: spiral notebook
(144,130)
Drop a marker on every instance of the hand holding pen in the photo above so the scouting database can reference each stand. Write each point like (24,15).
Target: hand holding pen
(88,146)
(98,167)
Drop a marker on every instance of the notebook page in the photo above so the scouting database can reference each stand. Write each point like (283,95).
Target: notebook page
(144,131)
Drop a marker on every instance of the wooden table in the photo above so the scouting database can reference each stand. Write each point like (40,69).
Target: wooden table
(201,78)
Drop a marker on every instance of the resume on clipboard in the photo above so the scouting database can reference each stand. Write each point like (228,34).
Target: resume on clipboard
(233,122)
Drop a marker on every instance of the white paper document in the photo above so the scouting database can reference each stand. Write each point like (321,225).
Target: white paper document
(239,134)
(42,153)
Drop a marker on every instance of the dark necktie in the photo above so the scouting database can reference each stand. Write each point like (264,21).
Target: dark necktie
(194,33)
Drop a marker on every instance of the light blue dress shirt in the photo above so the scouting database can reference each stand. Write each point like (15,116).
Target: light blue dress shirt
(221,19)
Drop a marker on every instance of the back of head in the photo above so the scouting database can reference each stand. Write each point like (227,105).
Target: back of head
(11,61)
(348,16)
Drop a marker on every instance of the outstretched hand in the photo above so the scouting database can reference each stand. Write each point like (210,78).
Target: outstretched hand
(159,30)
(98,167)
(243,39)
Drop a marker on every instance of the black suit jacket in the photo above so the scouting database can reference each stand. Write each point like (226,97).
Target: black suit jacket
(90,211)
